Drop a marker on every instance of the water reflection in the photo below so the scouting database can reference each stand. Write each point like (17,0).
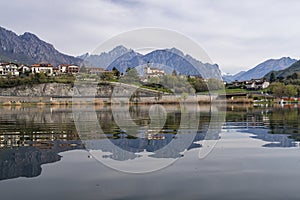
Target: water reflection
(142,138)
(31,137)
(278,126)
(149,140)
(27,161)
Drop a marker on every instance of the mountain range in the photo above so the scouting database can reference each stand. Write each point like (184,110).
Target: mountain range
(104,59)
(167,59)
(29,49)
(262,69)
(294,68)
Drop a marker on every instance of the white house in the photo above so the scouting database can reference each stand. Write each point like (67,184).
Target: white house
(257,84)
(42,68)
(263,84)
(9,69)
(68,69)
(152,72)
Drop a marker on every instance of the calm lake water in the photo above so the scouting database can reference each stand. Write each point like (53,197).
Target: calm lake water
(149,152)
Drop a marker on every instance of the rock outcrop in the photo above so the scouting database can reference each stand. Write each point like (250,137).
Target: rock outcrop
(39,90)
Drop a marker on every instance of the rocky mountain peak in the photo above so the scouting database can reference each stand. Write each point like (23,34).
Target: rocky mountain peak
(176,51)
(29,36)
(28,49)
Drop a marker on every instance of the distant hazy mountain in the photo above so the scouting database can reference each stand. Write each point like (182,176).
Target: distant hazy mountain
(229,77)
(294,68)
(264,68)
(29,49)
(167,59)
(106,58)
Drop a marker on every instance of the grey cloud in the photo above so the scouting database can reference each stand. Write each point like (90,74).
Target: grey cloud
(235,34)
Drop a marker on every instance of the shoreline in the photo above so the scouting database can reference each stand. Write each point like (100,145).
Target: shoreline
(16,101)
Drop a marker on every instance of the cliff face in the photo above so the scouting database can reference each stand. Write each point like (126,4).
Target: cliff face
(45,89)
(56,89)
(67,90)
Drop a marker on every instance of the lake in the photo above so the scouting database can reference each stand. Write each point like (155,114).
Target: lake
(149,152)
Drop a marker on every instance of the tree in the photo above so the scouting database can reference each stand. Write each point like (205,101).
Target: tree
(198,84)
(116,72)
(131,76)
(215,84)
(281,90)
(278,89)
(184,95)
(106,76)
(128,69)
(280,78)
(272,77)
(155,80)
(291,90)
(174,73)
(294,76)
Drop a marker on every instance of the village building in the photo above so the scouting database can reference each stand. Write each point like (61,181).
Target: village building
(257,84)
(254,84)
(150,72)
(68,69)
(9,69)
(237,84)
(56,71)
(12,69)
(23,69)
(42,68)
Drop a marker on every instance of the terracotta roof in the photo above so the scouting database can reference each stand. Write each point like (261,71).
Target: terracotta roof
(42,65)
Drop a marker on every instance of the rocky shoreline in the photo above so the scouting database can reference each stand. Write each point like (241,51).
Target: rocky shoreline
(66,94)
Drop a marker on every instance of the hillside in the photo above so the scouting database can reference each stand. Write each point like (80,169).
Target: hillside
(294,68)
(29,49)
(264,68)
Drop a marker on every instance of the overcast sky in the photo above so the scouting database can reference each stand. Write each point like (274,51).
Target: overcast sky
(237,35)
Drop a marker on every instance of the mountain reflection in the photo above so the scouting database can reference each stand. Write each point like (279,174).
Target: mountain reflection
(131,144)
(31,137)
(27,161)
(280,127)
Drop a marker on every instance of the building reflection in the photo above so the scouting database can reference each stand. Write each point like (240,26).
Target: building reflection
(31,137)
(280,127)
